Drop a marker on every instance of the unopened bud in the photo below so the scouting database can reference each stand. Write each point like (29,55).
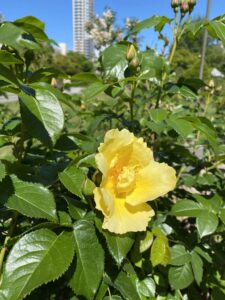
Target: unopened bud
(131,52)
(192,3)
(184,8)
(134,63)
(54,82)
(211,84)
(175,3)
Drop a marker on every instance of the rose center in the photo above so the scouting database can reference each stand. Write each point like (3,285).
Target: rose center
(125,180)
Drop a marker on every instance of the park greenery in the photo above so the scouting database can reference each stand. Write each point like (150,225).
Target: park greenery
(54,240)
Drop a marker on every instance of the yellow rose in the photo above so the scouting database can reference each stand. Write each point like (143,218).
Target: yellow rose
(130,178)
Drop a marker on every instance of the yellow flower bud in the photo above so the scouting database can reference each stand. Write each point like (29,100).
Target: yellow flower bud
(131,52)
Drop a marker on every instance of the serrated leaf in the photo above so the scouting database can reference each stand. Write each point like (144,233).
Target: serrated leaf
(146,287)
(179,255)
(2,171)
(77,209)
(7,58)
(160,252)
(197,267)
(30,199)
(187,208)
(118,245)
(157,21)
(182,127)
(207,223)
(217,29)
(90,260)
(203,254)
(114,60)
(158,114)
(125,286)
(180,277)
(43,115)
(37,258)
(95,89)
(32,21)
(16,37)
(7,75)
(73,180)
(87,77)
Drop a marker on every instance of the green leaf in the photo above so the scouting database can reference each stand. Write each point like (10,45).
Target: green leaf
(197,267)
(157,21)
(2,171)
(32,21)
(146,242)
(7,58)
(203,254)
(34,26)
(217,29)
(112,297)
(207,223)
(186,92)
(102,290)
(37,258)
(90,260)
(158,114)
(73,180)
(94,89)
(8,76)
(30,199)
(43,115)
(16,37)
(222,215)
(125,286)
(77,209)
(86,77)
(146,287)
(194,27)
(152,66)
(179,255)
(205,127)
(118,245)
(181,277)
(160,252)
(187,208)
(182,127)
(114,60)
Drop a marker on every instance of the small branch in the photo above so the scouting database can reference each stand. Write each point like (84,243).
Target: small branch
(7,238)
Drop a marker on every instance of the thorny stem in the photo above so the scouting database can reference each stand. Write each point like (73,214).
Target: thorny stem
(7,238)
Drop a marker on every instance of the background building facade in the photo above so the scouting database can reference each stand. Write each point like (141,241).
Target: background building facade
(82,13)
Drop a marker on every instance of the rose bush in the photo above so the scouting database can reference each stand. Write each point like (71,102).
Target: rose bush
(75,222)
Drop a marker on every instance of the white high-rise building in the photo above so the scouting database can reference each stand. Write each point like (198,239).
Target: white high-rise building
(82,13)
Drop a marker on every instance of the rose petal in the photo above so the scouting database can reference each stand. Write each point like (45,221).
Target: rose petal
(127,218)
(115,144)
(153,181)
(141,155)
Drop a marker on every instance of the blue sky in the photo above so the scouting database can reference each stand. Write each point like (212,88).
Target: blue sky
(57,14)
